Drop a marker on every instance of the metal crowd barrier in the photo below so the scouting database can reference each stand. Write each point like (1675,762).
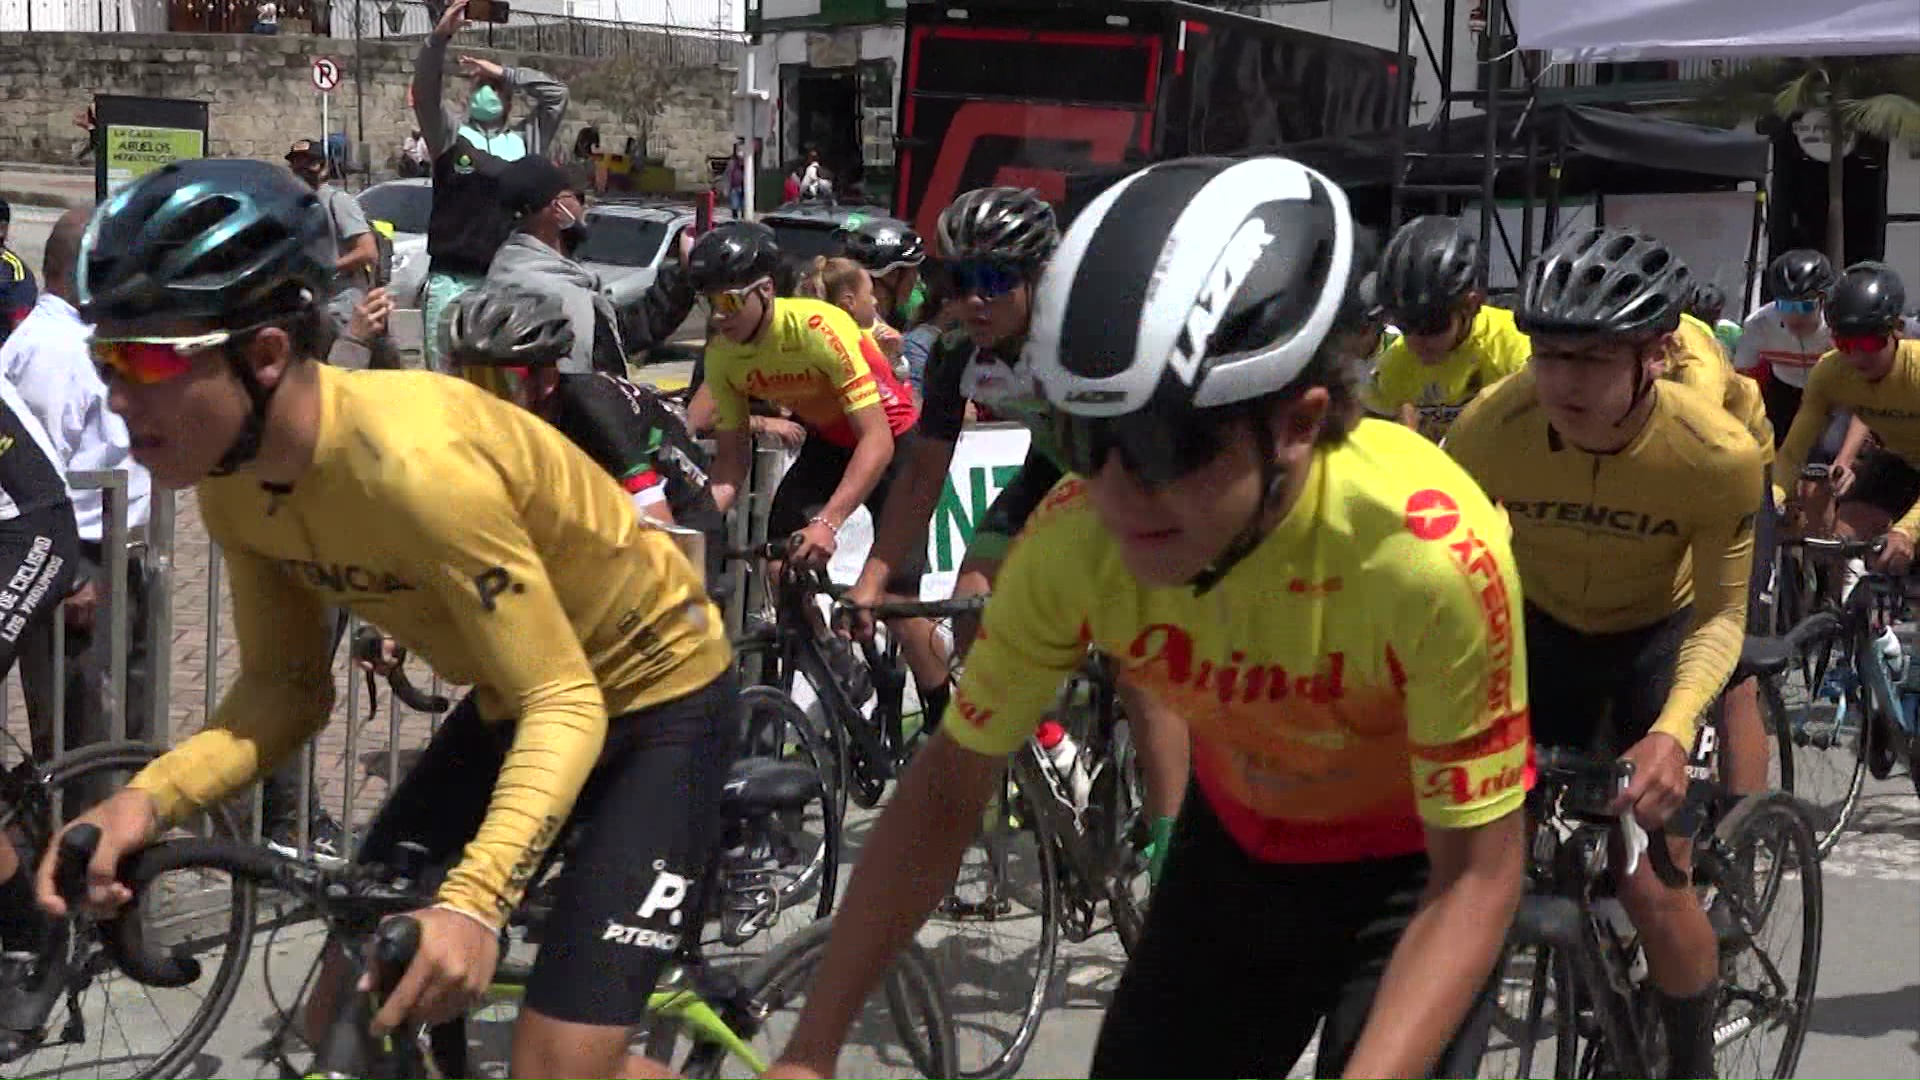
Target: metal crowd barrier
(171,555)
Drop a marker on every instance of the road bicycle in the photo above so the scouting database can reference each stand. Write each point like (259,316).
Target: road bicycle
(1574,987)
(704,1019)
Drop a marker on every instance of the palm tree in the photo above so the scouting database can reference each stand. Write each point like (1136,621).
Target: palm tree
(1876,96)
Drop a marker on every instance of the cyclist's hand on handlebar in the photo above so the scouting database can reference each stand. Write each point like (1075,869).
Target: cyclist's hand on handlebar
(813,545)
(1840,479)
(1659,785)
(127,823)
(855,620)
(391,656)
(452,968)
(1896,555)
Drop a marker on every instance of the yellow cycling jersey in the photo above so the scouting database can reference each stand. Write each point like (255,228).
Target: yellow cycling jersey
(1700,361)
(480,538)
(1493,349)
(1358,676)
(1890,408)
(1614,542)
(813,359)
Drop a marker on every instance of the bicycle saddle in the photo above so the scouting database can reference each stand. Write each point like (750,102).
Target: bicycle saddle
(757,787)
(1762,656)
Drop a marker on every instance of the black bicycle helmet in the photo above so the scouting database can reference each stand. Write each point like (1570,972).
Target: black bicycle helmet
(501,326)
(1707,299)
(1868,299)
(882,244)
(1800,274)
(1609,281)
(1360,309)
(229,242)
(1011,224)
(1428,266)
(732,256)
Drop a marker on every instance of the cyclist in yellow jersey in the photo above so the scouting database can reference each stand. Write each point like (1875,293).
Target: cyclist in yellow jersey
(1696,358)
(476,535)
(1875,375)
(1454,344)
(1329,604)
(1632,501)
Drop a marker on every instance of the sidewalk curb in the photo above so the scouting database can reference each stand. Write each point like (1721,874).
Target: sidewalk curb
(48,199)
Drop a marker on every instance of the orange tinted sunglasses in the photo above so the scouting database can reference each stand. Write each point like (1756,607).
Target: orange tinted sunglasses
(146,361)
(730,301)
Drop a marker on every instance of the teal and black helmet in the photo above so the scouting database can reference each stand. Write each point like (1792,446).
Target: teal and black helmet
(226,241)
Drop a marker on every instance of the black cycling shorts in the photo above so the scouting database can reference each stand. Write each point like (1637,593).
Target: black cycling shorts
(1601,693)
(39,555)
(638,843)
(813,478)
(1241,960)
(1885,482)
(1766,525)
(1010,509)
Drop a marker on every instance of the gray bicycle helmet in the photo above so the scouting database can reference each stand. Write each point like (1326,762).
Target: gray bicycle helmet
(1868,299)
(1008,224)
(1800,274)
(732,256)
(226,241)
(1427,267)
(882,244)
(232,243)
(1609,281)
(1707,299)
(507,327)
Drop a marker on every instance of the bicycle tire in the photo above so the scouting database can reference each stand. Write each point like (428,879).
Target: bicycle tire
(1781,810)
(764,706)
(912,987)
(129,757)
(1796,765)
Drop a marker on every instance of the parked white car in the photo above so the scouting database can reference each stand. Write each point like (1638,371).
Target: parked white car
(627,242)
(405,205)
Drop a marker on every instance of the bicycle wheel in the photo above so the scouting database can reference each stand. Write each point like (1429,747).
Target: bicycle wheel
(1533,1020)
(1763,863)
(779,870)
(1822,757)
(202,914)
(905,1029)
(1000,928)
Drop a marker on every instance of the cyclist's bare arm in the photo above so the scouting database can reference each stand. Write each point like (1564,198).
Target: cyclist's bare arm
(1166,749)
(1410,416)
(732,453)
(1451,944)
(910,502)
(872,453)
(907,865)
(283,695)
(702,414)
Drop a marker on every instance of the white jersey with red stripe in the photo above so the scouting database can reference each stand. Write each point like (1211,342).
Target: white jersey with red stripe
(1765,341)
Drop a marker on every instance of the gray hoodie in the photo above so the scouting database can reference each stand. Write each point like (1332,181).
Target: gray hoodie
(538,126)
(603,336)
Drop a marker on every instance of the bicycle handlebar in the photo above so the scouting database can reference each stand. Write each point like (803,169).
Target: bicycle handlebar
(368,648)
(1836,547)
(1587,779)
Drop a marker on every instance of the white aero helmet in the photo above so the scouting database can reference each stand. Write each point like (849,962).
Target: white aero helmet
(1186,286)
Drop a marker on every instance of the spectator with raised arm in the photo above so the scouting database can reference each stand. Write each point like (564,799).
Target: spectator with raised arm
(469,223)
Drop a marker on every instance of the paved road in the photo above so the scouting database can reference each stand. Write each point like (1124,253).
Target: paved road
(1865,1020)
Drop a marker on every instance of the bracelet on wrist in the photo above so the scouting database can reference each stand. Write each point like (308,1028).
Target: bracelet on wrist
(821,519)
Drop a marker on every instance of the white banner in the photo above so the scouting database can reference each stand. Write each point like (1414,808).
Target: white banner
(1709,230)
(1582,31)
(985,460)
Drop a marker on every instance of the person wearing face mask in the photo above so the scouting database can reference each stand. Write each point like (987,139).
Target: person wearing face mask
(469,221)
(353,239)
(550,224)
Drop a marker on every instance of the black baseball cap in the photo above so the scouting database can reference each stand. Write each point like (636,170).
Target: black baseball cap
(530,183)
(305,148)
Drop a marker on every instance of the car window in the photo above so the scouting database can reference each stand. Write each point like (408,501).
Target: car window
(799,240)
(404,206)
(621,241)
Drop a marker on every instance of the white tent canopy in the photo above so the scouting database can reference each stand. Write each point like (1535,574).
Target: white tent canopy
(1582,30)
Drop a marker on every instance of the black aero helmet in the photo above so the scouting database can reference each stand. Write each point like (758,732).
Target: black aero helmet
(1868,299)
(1428,266)
(732,256)
(1010,224)
(498,326)
(882,244)
(229,242)
(1800,274)
(1616,282)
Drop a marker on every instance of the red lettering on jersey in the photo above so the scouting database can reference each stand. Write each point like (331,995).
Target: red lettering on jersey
(1504,733)
(1476,560)
(1315,588)
(971,713)
(818,324)
(768,384)
(1236,680)
(1457,784)
(1432,514)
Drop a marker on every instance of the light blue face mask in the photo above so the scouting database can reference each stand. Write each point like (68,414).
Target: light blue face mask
(485,105)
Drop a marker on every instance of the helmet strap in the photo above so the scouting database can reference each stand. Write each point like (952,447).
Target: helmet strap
(1643,381)
(1272,479)
(246,445)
